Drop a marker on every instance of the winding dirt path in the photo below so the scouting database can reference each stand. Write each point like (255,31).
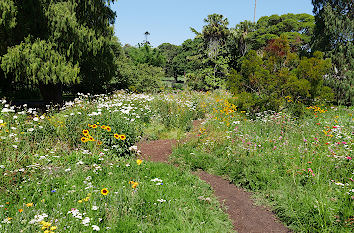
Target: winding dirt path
(246,217)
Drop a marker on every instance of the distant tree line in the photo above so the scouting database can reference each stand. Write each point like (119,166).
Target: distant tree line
(50,47)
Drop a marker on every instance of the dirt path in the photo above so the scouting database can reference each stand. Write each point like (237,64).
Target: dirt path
(246,217)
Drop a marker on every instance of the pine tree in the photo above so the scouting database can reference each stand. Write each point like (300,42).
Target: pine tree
(48,44)
(333,35)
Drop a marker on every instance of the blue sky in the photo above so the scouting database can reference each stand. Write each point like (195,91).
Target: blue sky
(170,20)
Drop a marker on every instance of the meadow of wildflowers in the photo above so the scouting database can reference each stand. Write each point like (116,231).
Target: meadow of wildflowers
(78,169)
(303,168)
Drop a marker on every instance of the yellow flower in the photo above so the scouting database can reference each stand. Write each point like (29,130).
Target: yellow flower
(91,139)
(122,137)
(80,201)
(104,191)
(139,161)
(103,127)
(83,139)
(108,128)
(53,228)
(86,198)
(135,184)
(99,143)
(29,204)
(94,126)
(85,132)
(116,136)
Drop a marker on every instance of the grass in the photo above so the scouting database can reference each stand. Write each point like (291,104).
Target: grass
(56,166)
(303,168)
(165,199)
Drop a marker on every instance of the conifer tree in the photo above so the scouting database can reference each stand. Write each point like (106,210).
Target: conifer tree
(47,44)
(333,35)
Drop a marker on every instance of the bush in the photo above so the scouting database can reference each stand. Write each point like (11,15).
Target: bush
(137,77)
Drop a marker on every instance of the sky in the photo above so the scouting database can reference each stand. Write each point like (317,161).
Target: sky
(170,20)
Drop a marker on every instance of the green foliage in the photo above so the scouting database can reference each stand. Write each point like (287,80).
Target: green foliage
(66,34)
(172,63)
(264,82)
(213,54)
(313,69)
(39,62)
(145,54)
(334,36)
(139,77)
(297,27)
(7,23)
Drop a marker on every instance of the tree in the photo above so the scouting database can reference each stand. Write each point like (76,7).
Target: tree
(297,27)
(213,50)
(239,43)
(145,54)
(333,35)
(265,80)
(77,34)
(170,51)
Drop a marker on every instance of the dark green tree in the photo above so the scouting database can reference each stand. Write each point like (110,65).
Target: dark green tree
(298,28)
(170,52)
(56,44)
(333,35)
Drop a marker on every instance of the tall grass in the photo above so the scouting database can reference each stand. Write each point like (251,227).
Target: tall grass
(302,167)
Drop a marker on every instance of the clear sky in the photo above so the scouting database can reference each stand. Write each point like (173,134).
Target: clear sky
(170,20)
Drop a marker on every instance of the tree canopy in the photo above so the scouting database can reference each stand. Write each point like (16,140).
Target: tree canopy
(50,42)
(333,35)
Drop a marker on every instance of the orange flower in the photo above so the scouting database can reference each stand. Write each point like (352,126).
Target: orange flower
(122,137)
(135,184)
(29,204)
(20,210)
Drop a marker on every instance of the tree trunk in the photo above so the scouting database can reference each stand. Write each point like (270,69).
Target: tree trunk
(52,93)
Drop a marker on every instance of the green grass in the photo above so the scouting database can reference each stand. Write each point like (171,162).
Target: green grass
(170,207)
(292,165)
(45,163)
